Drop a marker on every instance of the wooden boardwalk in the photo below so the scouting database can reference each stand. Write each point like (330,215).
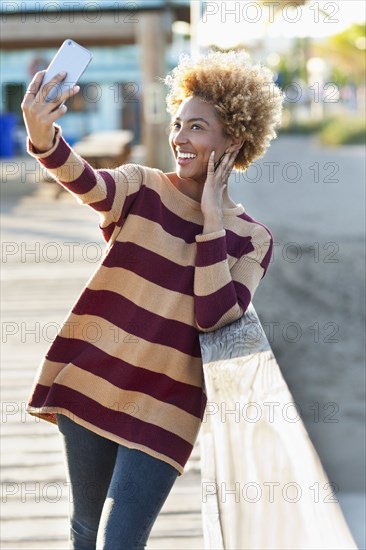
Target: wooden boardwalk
(50,248)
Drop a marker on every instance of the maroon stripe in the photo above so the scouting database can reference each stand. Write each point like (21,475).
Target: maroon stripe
(267,258)
(39,396)
(151,266)
(119,423)
(106,204)
(126,376)
(107,231)
(58,157)
(101,206)
(243,295)
(237,245)
(211,252)
(260,249)
(149,206)
(127,206)
(247,218)
(84,183)
(210,308)
(138,321)
(244,216)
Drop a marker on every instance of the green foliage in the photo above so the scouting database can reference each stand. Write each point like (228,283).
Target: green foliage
(340,130)
(344,131)
(345,51)
(304,127)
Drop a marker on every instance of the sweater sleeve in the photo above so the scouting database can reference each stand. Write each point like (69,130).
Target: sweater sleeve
(108,192)
(223,294)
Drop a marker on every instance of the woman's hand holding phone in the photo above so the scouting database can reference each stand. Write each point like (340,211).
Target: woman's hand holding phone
(39,114)
(44,101)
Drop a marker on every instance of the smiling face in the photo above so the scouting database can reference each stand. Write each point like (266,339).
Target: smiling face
(195,132)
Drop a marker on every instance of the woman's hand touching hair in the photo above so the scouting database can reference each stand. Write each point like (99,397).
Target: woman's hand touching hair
(39,115)
(214,187)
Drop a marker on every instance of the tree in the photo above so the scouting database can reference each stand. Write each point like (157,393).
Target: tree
(346,52)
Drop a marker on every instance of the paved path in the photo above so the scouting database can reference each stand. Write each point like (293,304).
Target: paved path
(41,278)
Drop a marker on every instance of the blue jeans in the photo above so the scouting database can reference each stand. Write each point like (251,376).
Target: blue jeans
(116,492)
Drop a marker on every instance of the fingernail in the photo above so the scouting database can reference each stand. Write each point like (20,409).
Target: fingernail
(62,73)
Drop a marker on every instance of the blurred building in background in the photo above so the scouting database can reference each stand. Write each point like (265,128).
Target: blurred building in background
(132,44)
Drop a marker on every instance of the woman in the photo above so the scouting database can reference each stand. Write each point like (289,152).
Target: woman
(123,378)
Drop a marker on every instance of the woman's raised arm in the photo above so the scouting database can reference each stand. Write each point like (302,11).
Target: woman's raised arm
(109,192)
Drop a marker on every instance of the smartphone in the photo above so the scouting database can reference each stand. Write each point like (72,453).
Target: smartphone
(71,58)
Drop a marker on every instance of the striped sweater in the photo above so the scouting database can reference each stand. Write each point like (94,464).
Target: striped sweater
(126,362)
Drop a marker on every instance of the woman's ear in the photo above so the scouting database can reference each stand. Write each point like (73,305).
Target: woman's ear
(236,146)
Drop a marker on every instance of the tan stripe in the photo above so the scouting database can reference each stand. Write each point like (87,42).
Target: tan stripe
(242,228)
(231,260)
(128,179)
(97,193)
(48,371)
(70,170)
(150,296)
(169,198)
(249,273)
(151,236)
(211,278)
(73,169)
(261,244)
(135,404)
(135,351)
(234,313)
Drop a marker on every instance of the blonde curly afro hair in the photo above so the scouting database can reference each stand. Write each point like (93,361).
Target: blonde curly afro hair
(245,98)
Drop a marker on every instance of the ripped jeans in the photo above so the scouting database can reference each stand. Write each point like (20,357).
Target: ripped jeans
(116,492)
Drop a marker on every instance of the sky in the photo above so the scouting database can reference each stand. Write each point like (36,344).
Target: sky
(231,22)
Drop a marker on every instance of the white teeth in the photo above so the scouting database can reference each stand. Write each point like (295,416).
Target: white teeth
(186,155)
